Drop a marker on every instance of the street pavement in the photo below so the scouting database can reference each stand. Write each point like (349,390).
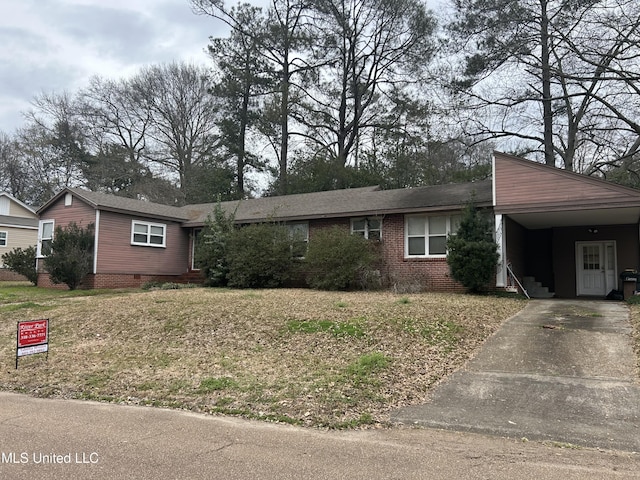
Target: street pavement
(71,439)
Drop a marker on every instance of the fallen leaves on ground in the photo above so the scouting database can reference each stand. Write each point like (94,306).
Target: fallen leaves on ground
(306,357)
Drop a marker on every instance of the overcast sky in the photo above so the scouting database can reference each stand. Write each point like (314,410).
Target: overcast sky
(57,45)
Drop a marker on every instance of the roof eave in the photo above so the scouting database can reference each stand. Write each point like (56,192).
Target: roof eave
(350,214)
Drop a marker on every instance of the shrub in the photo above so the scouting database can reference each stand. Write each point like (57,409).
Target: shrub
(259,256)
(71,255)
(22,262)
(338,260)
(472,253)
(212,247)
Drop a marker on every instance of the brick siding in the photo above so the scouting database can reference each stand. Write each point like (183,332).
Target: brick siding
(398,272)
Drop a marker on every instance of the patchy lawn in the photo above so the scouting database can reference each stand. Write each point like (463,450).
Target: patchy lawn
(299,356)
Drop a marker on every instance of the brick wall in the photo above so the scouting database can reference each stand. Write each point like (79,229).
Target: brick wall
(122,280)
(431,274)
(398,272)
(9,276)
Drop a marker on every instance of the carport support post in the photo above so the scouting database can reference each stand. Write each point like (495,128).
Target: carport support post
(501,241)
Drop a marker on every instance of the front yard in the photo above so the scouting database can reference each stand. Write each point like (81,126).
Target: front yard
(299,356)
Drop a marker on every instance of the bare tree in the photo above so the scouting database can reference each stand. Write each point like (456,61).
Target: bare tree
(183,117)
(373,52)
(541,74)
(113,115)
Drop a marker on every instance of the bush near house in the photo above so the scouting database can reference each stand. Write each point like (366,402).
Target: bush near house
(259,256)
(213,246)
(22,262)
(472,253)
(266,255)
(71,255)
(338,260)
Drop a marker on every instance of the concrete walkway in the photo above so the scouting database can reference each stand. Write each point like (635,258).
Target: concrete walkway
(561,370)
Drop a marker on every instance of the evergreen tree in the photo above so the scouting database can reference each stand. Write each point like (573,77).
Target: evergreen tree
(472,253)
(212,247)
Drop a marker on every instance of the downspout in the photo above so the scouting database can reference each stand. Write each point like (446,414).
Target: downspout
(501,241)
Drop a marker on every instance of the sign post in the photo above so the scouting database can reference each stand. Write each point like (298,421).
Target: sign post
(32,337)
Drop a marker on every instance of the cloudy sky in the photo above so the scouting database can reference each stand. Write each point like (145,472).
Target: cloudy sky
(57,45)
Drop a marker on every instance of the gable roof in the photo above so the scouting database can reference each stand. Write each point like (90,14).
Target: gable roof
(522,185)
(15,200)
(114,203)
(540,196)
(347,203)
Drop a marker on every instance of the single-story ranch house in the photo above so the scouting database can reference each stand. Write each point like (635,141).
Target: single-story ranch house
(573,234)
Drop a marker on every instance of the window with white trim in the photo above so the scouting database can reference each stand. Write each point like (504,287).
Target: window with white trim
(147,234)
(368,227)
(426,236)
(3,239)
(45,237)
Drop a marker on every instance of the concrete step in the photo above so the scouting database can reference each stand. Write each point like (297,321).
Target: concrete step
(535,289)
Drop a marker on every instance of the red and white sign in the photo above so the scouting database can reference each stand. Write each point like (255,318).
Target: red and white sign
(34,332)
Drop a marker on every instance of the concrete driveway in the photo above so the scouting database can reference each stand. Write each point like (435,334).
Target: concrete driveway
(560,370)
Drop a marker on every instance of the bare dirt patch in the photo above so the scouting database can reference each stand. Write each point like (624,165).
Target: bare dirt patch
(298,356)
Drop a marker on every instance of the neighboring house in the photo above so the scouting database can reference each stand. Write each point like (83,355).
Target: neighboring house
(18,228)
(573,233)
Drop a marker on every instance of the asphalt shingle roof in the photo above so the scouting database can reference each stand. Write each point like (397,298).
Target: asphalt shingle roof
(9,220)
(114,203)
(348,202)
(330,204)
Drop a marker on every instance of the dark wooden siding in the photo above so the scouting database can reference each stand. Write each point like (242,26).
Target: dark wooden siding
(117,255)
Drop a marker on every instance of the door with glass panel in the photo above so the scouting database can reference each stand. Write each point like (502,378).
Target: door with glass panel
(595,268)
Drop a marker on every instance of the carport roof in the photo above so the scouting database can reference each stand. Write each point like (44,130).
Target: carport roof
(538,196)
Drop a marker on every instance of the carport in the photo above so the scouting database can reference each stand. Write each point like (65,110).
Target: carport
(563,232)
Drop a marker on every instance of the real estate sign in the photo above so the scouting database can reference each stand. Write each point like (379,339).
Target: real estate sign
(32,337)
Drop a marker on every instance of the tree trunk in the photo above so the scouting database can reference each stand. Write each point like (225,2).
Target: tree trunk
(549,158)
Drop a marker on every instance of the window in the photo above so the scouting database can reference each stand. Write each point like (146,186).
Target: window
(148,234)
(45,237)
(299,233)
(195,244)
(370,228)
(4,205)
(3,239)
(426,236)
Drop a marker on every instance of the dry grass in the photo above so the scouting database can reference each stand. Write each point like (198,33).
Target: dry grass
(299,356)
(635,323)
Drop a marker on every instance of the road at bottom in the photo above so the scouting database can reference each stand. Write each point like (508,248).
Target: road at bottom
(55,438)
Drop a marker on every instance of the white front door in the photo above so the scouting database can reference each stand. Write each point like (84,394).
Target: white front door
(595,268)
